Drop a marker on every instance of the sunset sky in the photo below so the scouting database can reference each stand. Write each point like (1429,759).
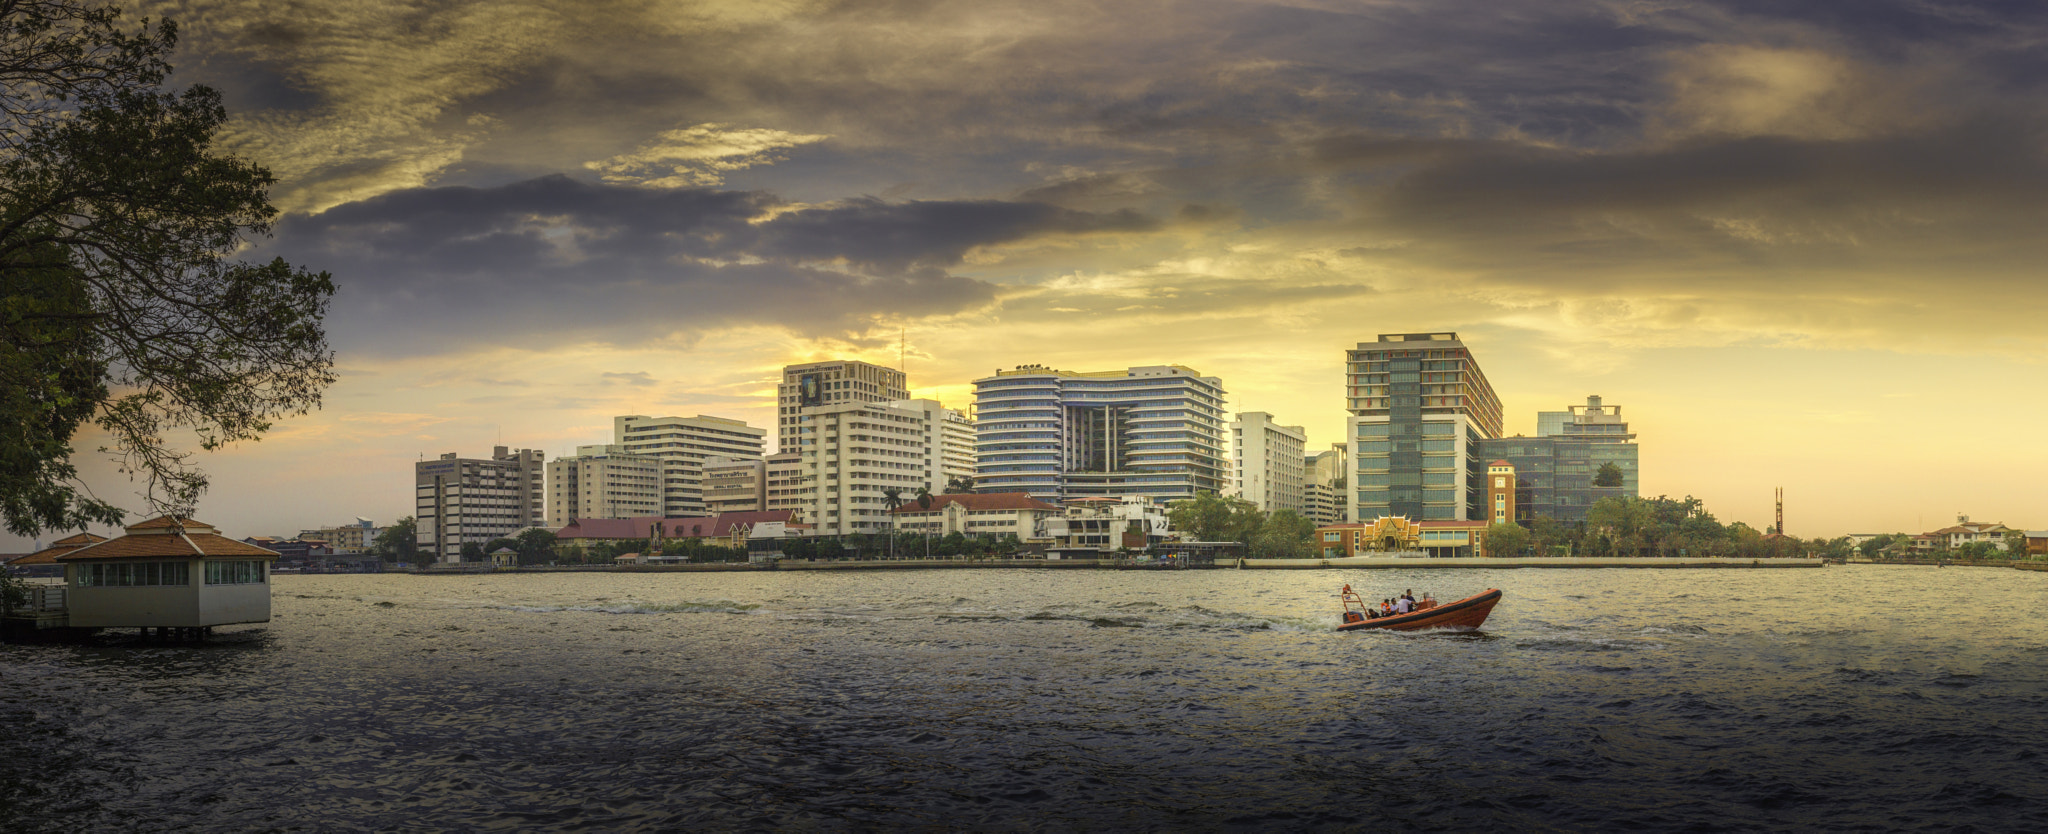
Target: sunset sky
(1800,243)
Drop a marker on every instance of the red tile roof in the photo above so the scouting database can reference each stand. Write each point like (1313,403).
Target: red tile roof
(160,545)
(48,555)
(980,501)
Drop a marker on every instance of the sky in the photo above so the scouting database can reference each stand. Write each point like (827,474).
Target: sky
(1799,243)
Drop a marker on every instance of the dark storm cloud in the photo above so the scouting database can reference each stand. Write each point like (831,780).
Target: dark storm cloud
(1962,198)
(555,259)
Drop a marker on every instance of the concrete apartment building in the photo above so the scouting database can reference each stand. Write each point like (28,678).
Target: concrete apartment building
(833,382)
(1154,431)
(735,486)
(1419,406)
(852,452)
(354,537)
(603,481)
(1269,467)
(1326,479)
(684,444)
(460,500)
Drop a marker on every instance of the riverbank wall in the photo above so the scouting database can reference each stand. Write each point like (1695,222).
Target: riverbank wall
(1379,563)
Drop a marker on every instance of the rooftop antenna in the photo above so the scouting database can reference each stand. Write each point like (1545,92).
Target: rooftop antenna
(1781,511)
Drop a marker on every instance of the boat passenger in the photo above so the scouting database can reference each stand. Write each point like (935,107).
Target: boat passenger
(1386,607)
(1404,605)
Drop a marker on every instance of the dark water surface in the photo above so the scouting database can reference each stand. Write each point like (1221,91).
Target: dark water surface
(1858,698)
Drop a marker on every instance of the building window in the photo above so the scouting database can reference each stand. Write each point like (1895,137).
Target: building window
(238,572)
(135,574)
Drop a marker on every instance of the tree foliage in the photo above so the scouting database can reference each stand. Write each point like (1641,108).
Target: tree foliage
(1608,475)
(1285,534)
(1506,539)
(398,543)
(1215,518)
(120,300)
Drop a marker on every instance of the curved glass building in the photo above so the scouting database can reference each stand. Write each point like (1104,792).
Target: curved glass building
(1157,431)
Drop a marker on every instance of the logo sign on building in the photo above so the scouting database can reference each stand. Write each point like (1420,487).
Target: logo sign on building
(810,390)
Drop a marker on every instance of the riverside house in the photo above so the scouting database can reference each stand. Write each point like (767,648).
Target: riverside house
(167,572)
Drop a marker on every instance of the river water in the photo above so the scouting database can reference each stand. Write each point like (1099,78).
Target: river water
(1845,698)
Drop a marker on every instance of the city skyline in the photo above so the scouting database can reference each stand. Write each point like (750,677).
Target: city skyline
(1797,245)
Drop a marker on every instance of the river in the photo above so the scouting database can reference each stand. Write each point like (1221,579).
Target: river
(1844,698)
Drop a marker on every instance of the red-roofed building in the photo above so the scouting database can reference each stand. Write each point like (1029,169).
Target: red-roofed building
(167,572)
(994,514)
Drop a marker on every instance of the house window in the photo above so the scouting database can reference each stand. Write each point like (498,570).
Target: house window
(237,572)
(134,575)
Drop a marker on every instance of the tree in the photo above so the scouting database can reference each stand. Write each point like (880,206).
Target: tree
(398,543)
(1285,535)
(1505,539)
(1608,475)
(924,498)
(473,552)
(2015,545)
(959,484)
(119,301)
(1548,535)
(1214,518)
(535,545)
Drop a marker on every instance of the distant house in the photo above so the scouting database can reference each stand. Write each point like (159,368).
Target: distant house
(1964,532)
(505,557)
(167,572)
(43,563)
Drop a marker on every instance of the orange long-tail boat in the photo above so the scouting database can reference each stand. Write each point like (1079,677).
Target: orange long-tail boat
(1469,612)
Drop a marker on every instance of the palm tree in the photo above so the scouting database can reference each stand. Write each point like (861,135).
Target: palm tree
(924,498)
(892,498)
(960,484)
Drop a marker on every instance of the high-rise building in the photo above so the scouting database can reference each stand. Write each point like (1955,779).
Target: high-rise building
(1329,466)
(462,500)
(830,383)
(1596,422)
(1419,405)
(684,444)
(1326,479)
(1268,462)
(603,481)
(1320,504)
(854,452)
(1154,431)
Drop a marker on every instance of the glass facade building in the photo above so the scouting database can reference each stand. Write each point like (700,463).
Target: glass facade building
(1419,405)
(1155,431)
(1555,470)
